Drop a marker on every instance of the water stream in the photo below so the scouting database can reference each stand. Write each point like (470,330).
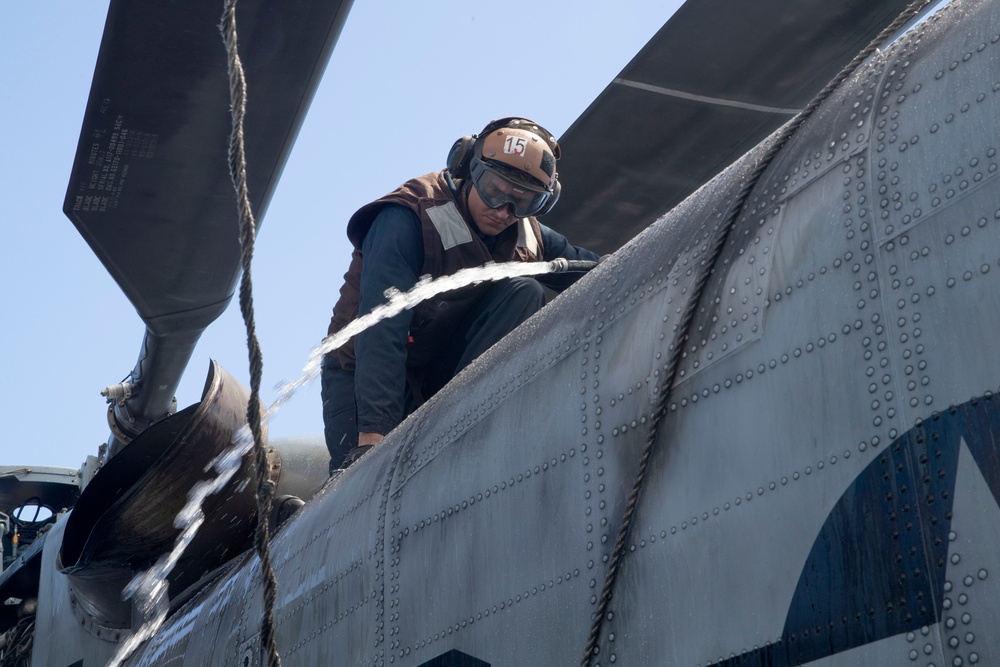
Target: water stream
(148,589)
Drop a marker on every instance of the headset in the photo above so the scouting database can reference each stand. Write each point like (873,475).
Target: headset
(468,147)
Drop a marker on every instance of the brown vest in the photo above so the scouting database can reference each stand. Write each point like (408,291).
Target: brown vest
(450,244)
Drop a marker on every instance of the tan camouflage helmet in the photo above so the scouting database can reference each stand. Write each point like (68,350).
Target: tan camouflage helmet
(523,149)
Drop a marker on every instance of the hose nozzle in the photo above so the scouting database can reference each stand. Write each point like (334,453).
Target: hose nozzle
(560,265)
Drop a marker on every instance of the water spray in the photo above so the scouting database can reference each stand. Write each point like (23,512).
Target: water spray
(149,588)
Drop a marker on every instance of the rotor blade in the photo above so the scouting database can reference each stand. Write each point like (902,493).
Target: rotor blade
(150,189)
(713,82)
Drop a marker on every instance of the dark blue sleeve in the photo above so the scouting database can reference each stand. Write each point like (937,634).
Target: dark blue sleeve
(556,245)
(392,256)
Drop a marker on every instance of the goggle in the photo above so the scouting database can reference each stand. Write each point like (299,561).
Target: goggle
(497,190)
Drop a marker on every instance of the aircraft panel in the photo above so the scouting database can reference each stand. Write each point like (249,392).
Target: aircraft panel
(332,601)
(933,268)
(843,318)
(21,485)
(580,473)
(771,265)
(171,648)
(680,493)
(722,482)
(77,634)
(921,647)
(972,586)
(207,628)
(768,381)
(329,597)
(715,503)
(480,514)
(693,608)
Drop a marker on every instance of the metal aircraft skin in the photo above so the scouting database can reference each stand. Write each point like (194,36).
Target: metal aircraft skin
(823,490)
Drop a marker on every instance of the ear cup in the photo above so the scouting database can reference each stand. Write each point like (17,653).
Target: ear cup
(460,156)
(551,201)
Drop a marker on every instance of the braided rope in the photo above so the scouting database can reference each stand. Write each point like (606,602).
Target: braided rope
(677,347)
(238,171)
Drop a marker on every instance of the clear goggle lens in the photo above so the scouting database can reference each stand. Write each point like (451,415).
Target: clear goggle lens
(496,190)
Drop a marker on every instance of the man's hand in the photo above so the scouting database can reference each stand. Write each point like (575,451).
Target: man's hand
(369,439)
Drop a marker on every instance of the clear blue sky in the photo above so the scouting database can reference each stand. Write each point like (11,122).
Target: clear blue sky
(67,331)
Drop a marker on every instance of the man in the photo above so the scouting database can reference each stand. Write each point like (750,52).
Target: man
(479,210)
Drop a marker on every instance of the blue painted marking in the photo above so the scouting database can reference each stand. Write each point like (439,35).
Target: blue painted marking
(877,568)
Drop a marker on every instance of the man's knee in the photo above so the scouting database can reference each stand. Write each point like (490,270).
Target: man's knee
(523,293)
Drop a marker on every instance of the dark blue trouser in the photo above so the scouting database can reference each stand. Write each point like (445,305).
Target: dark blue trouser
(503,307)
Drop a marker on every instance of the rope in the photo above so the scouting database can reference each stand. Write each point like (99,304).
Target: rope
(684,329)
(238,171)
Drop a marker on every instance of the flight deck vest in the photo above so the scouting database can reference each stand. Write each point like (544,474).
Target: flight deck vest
(450,244)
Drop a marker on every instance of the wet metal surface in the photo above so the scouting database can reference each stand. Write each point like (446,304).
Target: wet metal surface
(824,489)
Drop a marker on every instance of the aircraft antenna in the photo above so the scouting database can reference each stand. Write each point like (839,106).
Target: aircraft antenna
(248,230)
(677,348)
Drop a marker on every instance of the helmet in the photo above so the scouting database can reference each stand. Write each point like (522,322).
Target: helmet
(524,151)
(513,160)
